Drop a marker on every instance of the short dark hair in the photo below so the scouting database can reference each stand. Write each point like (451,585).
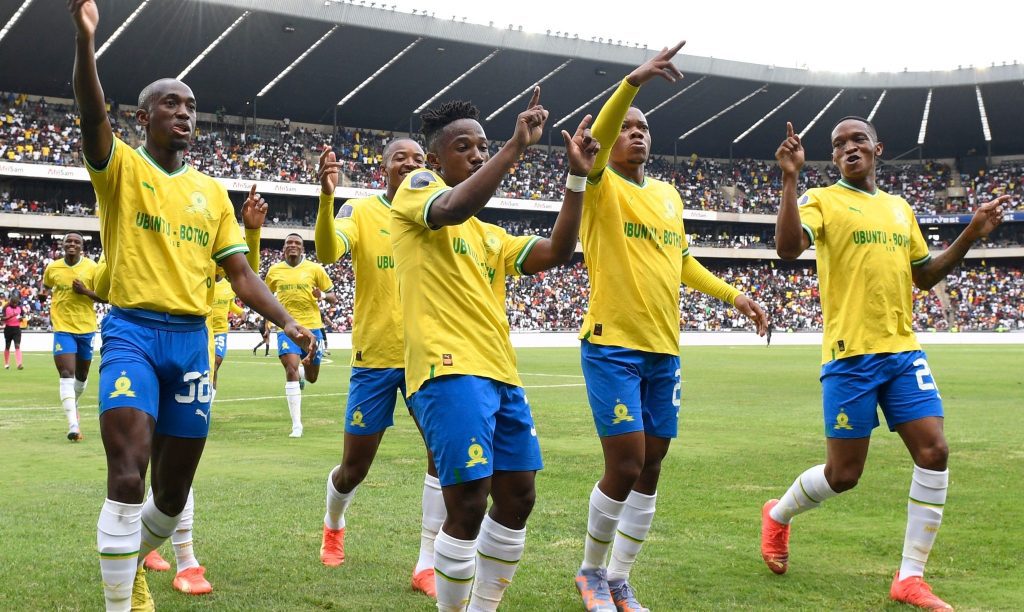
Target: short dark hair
(871,126)
(76,234)
(436,119)
(297,235)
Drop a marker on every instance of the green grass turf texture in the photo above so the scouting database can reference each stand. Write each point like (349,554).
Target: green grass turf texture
(750,422)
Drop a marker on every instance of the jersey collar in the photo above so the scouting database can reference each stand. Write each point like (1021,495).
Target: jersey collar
(145,154)
(627,179)
(383,200)
(65,260)
(843,183)
(296,265)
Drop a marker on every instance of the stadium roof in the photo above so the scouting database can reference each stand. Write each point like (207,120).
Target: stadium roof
(323,61)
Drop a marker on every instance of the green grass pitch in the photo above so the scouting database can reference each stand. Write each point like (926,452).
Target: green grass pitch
(750,422)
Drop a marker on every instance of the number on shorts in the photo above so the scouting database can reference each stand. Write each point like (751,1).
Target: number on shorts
(221,341)
(198,388)
(677,391)
(922,373)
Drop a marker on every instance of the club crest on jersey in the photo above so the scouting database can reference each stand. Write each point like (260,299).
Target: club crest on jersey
(900,216)
(198,205)
(670,209)
(421,179)
(491,243)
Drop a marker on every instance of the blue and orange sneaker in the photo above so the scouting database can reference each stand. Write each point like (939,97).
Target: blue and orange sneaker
(593,587)
(625,597)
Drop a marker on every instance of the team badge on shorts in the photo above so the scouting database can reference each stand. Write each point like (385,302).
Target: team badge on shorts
(476,455)
(122,386)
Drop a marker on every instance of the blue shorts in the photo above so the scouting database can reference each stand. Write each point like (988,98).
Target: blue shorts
(220,345)
(631,390)
(853,389)
(475,426)
(285,346)
(79,344)
(372,393)
(159,364)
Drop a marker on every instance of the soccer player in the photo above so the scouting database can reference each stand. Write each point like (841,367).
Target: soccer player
(223,303)
(73,318)
(869,249)
(636,252)
(161,224)
(12,313)
(264,330)
(460,367)
(378,370)
(293,281)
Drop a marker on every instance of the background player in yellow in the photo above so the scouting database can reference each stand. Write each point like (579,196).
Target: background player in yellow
(362,228)
(636,253)
(869,249)
(294,282)
(73,319)
(161,224)
(460,366)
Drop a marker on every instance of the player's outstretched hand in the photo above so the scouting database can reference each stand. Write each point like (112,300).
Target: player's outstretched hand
(530,123)
(301,336)
(581,148)
(790,153)
(85,15)
(659,65)
(254,210)
(988,217)
(752,310)
(327,170)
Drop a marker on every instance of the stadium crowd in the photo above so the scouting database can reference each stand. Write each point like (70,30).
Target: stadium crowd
(38,131)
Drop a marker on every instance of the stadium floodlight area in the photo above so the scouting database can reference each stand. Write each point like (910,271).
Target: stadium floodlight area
(120,30)
(825,108)
(528,89)
(724,111)
(462,76)
(675,95)
(292,65)
(874,109)
(585,104)
(14,18)
(769,114)
(924,117)
(213,45)
(377,73)
(984,116)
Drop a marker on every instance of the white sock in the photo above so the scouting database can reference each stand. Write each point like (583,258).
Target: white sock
(156,527)
(498,550)
(433,517)
(294,396)
(337,503)
(67,401)
(213,394)
(302,371)
(118,533)
(79,388)
(634,524)
(184,558)
(806,493)
(602,520)
(454,568)
(924,516)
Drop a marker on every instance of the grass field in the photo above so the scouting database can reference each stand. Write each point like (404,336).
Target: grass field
(750,423)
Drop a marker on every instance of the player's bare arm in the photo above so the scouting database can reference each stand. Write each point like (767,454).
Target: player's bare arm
(79,287)
(581,148)
(468,197)
(254,293)
(985,221)
(97,135)
(790,239)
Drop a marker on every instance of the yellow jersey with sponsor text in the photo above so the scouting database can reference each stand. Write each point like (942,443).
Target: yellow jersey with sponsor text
(71,312)
(293,287)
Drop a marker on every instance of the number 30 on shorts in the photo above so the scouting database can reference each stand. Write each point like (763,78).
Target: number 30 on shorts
(925,380)
(677,391)
(197,388)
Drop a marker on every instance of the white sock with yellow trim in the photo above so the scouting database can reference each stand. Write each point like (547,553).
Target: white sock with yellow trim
(156,527)
(68,402)
(602,520)
(433,517)
(498,551)
(184,556)
(79,388)
(454,568)
(293,395)
(924,516)
(806,493)
(634,524)
(118,533)
(337,502)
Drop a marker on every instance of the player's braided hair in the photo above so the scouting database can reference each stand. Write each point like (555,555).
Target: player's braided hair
(435,119)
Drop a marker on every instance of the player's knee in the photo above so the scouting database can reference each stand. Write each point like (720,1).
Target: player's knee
(312,375)
(126,486)
(843,479)
(466,513)
(627,469)
(933,456)
(352,473)
(170,501)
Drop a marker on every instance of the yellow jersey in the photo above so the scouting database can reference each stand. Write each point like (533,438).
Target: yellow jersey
(160,230)
(71,312)
(293,287)
(362,228)
(223,303)
(452,286)
(866,245)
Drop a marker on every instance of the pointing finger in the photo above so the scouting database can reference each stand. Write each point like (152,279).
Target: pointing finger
(789,130)
(535,98)
(252,190)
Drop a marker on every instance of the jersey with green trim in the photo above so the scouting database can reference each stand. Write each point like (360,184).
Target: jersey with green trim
(364,226)
(452,286)
(223,303)
(70,312)
(866,245)
(160,230)
(633,245)
(293,287)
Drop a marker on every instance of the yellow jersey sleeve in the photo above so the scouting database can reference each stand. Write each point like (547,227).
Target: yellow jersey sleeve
(919,254)
(234,308)
(330,237)
(229,237)
(101,279)
(811,218)
(323,282)
(252,242)
(48,275)
(515,250)
(416,194)
(608,124)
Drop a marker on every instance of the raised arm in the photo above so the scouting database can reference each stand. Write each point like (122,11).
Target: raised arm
(580,149)
(97,135)
(329,245)
(987,218)
(468,197)
(254,213)
(790,238)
